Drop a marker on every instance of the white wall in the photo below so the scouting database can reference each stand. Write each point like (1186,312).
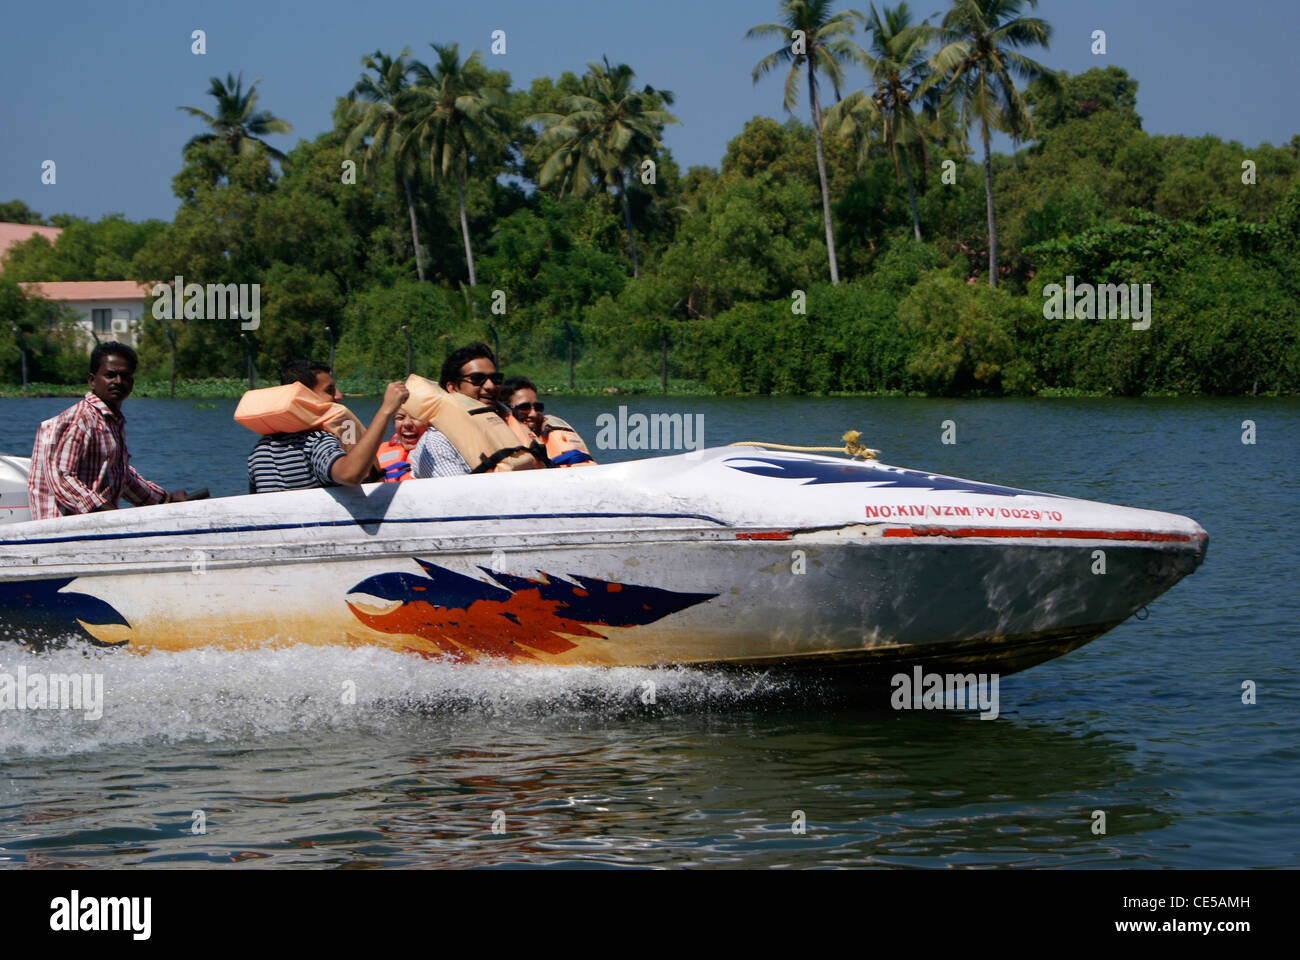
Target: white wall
(126,319)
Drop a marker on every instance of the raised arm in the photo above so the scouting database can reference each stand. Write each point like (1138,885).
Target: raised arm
(352,469)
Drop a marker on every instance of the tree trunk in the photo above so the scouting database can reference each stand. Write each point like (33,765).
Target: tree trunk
(911,199)
(821,173)
(464,230)
(988,199)
(415,233)
(627,219)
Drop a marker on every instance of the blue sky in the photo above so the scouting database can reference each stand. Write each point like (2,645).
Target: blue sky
(95,86)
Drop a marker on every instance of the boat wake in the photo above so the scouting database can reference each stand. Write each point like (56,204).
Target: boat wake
(75,700)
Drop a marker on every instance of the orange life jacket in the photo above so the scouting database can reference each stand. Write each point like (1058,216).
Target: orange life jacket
(392,459)
(564,446)
(292,408)
(525,436)
(475,429)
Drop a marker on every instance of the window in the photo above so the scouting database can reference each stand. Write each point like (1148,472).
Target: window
(101,321)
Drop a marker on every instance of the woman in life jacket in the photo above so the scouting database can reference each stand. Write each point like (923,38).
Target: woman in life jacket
(393,456)
(564,447)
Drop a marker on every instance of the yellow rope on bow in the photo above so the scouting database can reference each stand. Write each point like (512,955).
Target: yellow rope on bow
(852,446)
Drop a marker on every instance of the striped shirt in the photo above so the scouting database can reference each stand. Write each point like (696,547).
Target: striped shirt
(293,461)
(80,463)
(435,456)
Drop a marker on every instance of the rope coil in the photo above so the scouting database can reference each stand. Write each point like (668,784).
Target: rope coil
(852,447)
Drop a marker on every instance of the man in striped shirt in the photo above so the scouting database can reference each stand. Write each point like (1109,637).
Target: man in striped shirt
(315,458)
(79,460)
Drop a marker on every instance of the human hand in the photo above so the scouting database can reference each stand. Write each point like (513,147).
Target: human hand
(394,396)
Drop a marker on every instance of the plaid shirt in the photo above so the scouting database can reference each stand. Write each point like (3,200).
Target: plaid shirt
(79,463)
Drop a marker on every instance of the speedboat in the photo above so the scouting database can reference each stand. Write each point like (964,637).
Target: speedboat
(733,555)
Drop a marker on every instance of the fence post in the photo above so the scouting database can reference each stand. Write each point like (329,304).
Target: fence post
(171,339)
(22,352)
(248,346)
(569,331)
(664,362)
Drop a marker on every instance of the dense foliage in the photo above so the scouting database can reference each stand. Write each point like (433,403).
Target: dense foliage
(532,194)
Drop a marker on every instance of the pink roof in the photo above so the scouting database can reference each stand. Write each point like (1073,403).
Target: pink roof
(11,233)
(88,290)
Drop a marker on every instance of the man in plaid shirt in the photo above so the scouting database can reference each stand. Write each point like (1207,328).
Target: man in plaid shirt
(79,460)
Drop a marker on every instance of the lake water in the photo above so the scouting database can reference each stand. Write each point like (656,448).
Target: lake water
(1146,723)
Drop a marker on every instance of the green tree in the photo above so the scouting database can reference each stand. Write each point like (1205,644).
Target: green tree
(899,70)
(212,239)
(454,116)
(15,211)
(969,337)
(978,62)
(605,130)
(756,240)
(101,250)
(376,120)
(1061,98)
(238,123)
(555,258)
(38,337)
(813,39)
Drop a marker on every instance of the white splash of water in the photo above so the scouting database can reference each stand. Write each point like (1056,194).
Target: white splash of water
(212,695)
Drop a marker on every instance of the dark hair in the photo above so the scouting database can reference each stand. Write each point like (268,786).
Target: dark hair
(111,348)
(471,351)
(508,387)
(302,371)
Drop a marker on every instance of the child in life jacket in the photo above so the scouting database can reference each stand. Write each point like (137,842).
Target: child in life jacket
(393,456)
(564,446)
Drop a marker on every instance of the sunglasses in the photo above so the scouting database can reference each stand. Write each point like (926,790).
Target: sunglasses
(525,407)
(478,379)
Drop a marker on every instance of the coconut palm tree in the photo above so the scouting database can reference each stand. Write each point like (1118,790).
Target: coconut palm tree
(605,131)
(814,40)
(898,67)
(977,62)
(454,116)
(377,121)
(238,123)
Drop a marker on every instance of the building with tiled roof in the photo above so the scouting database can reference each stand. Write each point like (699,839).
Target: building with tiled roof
(109,309)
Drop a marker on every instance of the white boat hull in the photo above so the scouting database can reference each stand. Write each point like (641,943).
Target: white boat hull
(731,555)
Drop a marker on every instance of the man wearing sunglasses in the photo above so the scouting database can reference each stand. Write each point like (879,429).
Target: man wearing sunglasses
(471,370)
